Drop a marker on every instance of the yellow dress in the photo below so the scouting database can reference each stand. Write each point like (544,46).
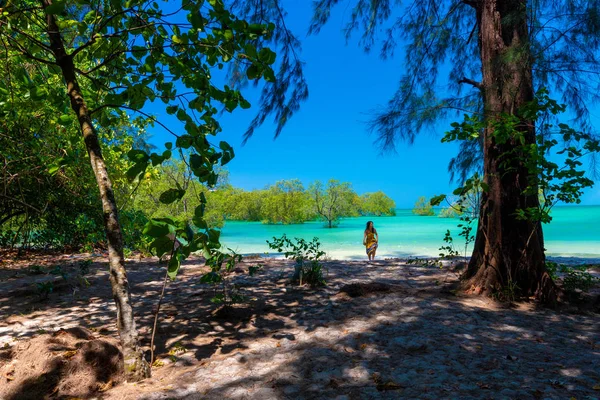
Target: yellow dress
(371,243)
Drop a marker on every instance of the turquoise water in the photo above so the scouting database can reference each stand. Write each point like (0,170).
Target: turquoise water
(574,232)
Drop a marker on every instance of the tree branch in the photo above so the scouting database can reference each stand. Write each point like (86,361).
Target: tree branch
(137,111)
(478,85)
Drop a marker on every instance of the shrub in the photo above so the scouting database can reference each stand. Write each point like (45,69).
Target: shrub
(307,255)
(423,207)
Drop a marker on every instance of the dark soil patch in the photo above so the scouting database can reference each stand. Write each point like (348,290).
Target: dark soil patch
(364,289)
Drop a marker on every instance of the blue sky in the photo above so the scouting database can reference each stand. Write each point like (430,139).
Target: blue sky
(328,137)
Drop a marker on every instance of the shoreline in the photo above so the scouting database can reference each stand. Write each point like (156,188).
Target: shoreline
(567,260)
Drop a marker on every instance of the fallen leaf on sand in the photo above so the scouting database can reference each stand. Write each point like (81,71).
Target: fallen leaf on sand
(381,385)
(106,386)
(69,354)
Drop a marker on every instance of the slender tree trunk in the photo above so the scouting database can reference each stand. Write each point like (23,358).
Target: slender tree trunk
(136,367)
(508,253)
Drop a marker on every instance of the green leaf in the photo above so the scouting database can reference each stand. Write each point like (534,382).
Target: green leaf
(213,235)
(252,72)
(173,267)
(245,104)
(138,156)
(53,169)
(184,141)
(267,56)
(196,161)
(156,229)
(458,191)
(171,196)
(57,7)
(436,200)
(65,119)
(269,75)
(133,172)
(227,156)
(211,278)
(161,246)
(196,20)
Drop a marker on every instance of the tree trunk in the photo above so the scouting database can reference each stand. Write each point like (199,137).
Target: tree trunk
(508,255)
(136,367)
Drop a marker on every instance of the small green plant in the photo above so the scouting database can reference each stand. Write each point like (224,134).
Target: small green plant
(44,289)
(177,348)
(448,251)
(508,293)
(574,277)
(84,266)
(307,255)
(578,278)
(552,268)
(253,269)
(58,270)
(36,270)
(221,264)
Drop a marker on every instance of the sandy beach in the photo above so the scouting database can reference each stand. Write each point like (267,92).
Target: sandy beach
(386,330)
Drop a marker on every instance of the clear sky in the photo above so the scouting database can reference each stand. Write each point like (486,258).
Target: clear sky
(328,137)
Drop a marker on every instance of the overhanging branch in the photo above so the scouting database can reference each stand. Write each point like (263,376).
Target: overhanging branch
(476,84)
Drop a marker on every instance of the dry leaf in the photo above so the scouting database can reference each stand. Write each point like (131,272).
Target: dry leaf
(69,354)
(105,387)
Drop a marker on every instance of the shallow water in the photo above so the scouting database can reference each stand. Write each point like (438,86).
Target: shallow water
(574,232)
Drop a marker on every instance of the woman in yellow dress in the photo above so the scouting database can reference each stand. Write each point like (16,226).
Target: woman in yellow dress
(370,240)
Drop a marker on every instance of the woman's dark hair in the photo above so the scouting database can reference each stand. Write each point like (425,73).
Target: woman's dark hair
(372,226)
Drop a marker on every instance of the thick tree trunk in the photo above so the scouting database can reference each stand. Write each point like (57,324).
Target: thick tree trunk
(136,367)
(508,253)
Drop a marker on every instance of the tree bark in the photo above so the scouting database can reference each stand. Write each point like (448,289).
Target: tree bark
(508,253)
(136,367)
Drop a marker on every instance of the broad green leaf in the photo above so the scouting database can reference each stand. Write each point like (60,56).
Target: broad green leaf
(266,56)
(57,7)
(436,200)
(156,229)
(133,172)
(171,196)
(173,267)
(161,246)
(252,72)
(137,156)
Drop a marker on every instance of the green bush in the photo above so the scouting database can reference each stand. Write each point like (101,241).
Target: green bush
(423,207)
(307,255)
